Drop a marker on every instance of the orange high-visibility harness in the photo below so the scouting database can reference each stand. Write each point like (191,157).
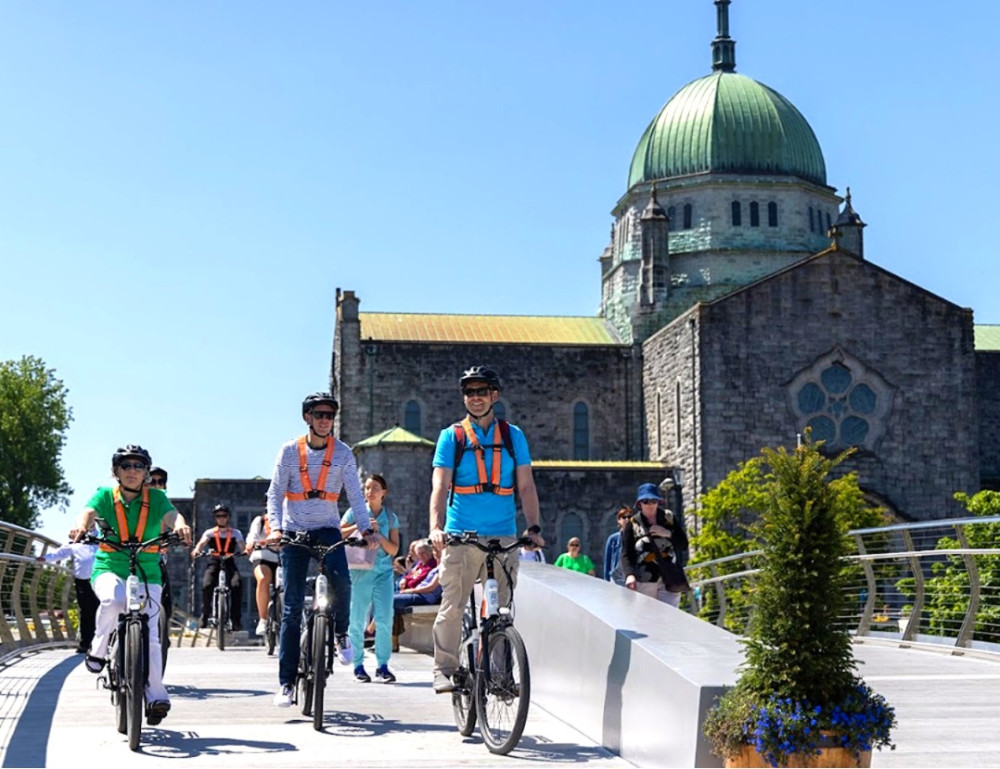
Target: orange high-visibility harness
(140,528)
(218,542)
(308,492)
(492,484)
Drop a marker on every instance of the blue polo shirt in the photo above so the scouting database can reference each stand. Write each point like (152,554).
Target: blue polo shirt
(491,515)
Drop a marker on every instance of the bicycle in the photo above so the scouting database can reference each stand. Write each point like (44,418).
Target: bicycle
(317,644)
(220,618)
(273,616)
(128,647)
(493,681)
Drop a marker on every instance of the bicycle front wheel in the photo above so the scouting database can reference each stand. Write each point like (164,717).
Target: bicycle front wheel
(321,631)
(118,698)
(221,618)
(306,669)
(271,632)
(134,684)
(503,690)
(462,704)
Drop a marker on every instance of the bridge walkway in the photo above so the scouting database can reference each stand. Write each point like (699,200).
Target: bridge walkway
(222,716)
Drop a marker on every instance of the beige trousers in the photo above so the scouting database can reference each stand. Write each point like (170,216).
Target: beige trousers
(461,566)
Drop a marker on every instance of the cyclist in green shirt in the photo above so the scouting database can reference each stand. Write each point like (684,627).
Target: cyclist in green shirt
(128,509)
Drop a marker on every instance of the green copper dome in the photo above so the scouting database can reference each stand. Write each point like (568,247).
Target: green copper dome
(727,123)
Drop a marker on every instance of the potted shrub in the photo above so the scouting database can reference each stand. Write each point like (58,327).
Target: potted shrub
(799,700)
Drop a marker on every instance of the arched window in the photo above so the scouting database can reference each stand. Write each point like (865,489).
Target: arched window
(755,214)
(687,216)
(411,417)
(499,410)
(737,214)
(812,223)
(828,224)
(581,431)
(772,214)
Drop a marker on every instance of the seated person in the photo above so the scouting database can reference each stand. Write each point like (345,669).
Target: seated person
(418,572)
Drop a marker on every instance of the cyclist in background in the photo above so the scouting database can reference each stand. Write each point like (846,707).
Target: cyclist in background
(309,474)
(477,495)
(158,480)
(130,509)
(221,540)
(265,565)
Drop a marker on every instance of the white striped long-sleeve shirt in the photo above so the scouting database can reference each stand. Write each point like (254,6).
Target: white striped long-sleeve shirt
(309,514)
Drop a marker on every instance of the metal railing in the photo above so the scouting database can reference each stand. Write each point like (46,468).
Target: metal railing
(36,599)
(909,583)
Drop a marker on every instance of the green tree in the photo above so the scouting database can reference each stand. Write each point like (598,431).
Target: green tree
(34,418)
(728,515)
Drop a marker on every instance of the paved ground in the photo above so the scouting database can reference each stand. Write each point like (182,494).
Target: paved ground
(222,716)
(947,707)
(51,714)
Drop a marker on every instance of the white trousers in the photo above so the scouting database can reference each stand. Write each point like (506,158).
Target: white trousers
(657,591)
(110,590)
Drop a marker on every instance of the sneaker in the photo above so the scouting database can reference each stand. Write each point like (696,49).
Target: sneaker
(261,626)
(94,664)
(283,699)
(344,651)
(384,675)
(156,711)
(361,675)
(443,683)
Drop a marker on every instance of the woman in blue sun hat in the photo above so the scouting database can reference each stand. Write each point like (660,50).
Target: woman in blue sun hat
(653,542)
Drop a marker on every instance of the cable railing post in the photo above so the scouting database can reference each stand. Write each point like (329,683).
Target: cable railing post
(969,623)
(865,623)
(720,592)
(918,583)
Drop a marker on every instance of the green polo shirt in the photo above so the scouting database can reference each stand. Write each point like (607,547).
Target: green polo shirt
(103,503)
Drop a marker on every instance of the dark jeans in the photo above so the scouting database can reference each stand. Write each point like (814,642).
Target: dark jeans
(208,584)
(402,602)
(86,599)
(295,563)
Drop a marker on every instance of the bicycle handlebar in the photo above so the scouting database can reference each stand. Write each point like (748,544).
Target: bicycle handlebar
(305,539)
(492,543)
(132,545)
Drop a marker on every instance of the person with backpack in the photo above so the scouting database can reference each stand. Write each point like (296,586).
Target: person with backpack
(653,548)
(478,464)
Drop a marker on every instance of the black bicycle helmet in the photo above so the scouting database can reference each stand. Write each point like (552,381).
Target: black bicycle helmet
(318,399)
(221,509)
(130,450)
(480,374)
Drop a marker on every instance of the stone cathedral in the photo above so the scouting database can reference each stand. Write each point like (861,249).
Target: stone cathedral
(738,307)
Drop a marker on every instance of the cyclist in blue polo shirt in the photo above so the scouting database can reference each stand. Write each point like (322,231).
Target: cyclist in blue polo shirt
(478,463)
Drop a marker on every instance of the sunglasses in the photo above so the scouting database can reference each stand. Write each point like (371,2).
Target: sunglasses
(157,482)
(323,414)
(481,392)
(132,466)
(574,544)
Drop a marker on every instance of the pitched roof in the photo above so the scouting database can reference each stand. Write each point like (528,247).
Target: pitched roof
(486,329)
(393,435)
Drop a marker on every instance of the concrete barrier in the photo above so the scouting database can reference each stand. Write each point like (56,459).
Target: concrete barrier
(627,671)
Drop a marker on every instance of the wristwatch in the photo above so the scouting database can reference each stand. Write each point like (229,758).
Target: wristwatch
(536,529)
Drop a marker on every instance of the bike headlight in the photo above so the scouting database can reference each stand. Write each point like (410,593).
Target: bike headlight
(322,592)
(132,591)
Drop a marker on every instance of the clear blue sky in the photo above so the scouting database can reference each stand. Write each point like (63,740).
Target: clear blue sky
(184,185)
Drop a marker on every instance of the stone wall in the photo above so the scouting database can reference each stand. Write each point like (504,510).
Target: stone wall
(988,388)
(541,385)
(752,345)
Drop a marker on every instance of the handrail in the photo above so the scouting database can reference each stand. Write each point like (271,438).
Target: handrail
(901,568)
(35,598)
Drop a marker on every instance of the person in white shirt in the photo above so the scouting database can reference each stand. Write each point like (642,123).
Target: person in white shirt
(83,565)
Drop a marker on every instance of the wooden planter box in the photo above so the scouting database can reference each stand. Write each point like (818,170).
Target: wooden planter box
(828,757)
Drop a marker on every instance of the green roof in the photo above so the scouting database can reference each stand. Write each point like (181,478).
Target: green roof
(727,123)
(987,338)
(394,435)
